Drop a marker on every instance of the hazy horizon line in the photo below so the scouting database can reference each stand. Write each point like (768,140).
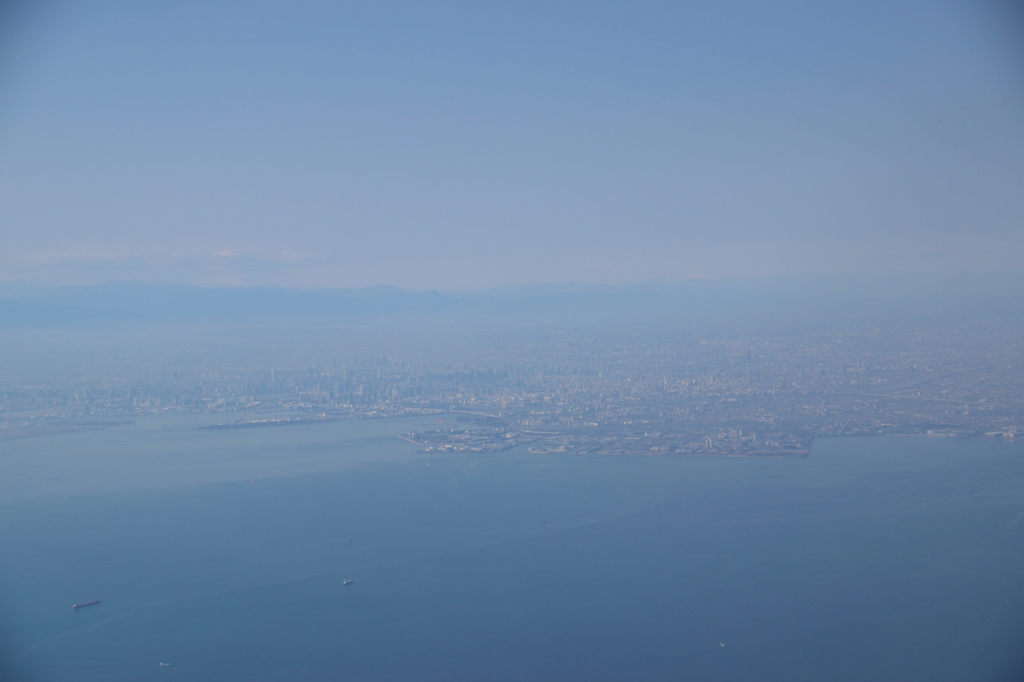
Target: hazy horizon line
(566,286)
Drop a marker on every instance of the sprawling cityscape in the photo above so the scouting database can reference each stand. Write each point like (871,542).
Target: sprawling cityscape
(662,391)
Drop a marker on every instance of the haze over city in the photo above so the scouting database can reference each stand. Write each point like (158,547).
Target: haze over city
(504,341)
(450,145)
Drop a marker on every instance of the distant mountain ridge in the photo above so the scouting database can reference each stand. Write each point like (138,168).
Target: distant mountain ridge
(126,302)
(25,306)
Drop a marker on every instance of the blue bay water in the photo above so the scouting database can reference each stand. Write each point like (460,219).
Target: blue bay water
(224,553)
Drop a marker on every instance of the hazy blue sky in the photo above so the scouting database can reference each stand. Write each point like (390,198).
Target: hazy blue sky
(465,145)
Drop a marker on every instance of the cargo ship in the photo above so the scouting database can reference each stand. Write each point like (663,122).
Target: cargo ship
(77,606)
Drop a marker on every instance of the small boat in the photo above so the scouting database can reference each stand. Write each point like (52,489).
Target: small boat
(164,665)
(76,605)
(347,581)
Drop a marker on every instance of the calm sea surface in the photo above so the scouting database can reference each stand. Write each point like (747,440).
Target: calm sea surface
(223,553)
